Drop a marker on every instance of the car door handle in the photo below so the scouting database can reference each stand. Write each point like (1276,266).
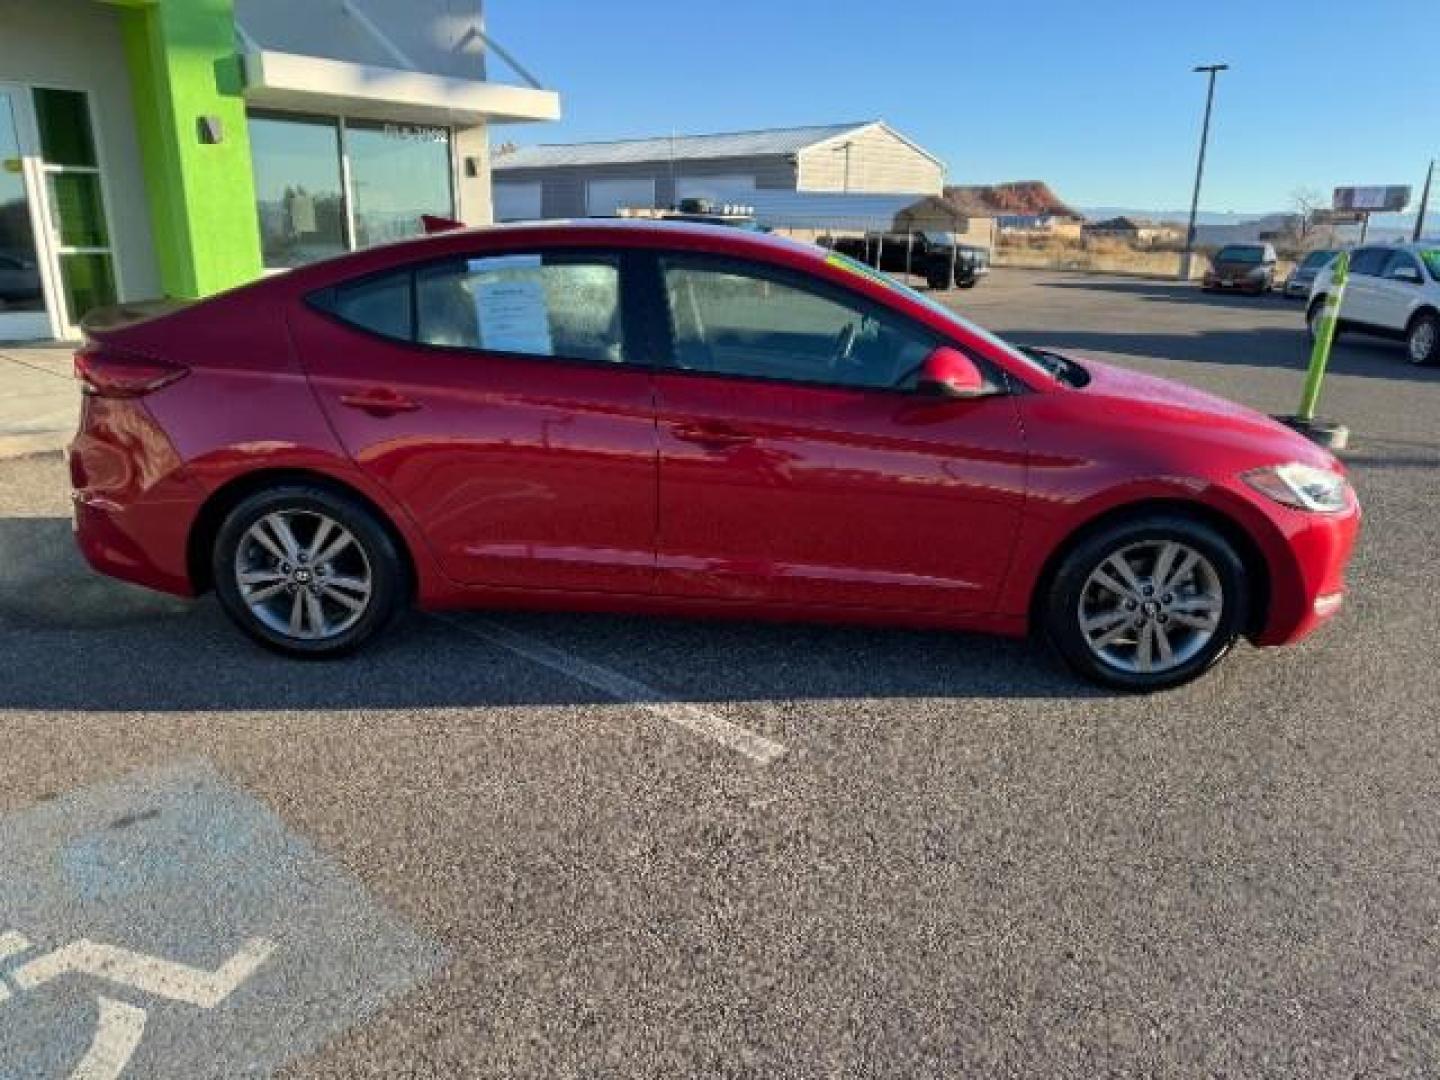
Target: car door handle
(711,437)
(379,402)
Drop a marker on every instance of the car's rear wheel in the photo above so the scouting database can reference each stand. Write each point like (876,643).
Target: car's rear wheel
(1422,339)
(307,571)
(1148,603)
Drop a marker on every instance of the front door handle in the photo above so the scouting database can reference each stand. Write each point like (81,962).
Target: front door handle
(379,401)
(710,436)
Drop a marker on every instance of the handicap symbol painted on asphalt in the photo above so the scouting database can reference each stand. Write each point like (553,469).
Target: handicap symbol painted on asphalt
(120,1026)
(170,925)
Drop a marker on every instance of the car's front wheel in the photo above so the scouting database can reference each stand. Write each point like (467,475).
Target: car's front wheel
(1148,603)
(1422,339)
(307,571)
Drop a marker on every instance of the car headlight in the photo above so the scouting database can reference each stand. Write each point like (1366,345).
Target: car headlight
(1303,487)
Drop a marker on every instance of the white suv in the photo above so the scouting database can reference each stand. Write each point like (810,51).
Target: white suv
(1394,291)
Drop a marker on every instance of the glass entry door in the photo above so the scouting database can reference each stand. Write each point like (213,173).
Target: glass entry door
(24,261)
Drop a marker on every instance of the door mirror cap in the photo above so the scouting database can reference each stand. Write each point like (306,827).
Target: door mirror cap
(948,372)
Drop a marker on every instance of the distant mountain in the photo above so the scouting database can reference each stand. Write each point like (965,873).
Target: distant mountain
(1233,227)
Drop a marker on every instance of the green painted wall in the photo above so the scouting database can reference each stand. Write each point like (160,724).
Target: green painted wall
(183,66)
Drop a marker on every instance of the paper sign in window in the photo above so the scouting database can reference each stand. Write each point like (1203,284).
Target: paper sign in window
(510,307)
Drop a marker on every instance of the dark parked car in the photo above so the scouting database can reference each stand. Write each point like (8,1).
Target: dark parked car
(1303,276)
(1246,267)
(933,255)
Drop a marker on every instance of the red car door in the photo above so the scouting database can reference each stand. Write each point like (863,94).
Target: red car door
(796,466)
(505,401)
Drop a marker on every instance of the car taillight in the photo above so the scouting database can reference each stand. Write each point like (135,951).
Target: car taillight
(108,372)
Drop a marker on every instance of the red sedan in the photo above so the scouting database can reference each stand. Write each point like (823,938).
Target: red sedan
(634,416)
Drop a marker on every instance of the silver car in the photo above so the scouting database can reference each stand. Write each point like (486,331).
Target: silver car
(1303,276)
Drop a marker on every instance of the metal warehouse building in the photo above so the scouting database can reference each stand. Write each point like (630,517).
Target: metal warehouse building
(597,179)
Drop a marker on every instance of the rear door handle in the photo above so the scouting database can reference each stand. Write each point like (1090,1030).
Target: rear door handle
(379,402)
(711,437)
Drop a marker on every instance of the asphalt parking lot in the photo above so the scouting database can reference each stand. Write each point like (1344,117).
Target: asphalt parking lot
(523,845)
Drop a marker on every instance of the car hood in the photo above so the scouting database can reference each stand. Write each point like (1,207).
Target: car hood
(1191,414)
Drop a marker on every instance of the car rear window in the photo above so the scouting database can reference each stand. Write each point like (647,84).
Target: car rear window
(1238,254)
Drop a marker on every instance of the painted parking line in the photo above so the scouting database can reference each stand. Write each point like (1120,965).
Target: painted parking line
(170,926)
(622,688)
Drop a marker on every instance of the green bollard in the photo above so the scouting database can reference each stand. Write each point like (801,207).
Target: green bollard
(1330,435)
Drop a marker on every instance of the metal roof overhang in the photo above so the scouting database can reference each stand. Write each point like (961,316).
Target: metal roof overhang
(313,84)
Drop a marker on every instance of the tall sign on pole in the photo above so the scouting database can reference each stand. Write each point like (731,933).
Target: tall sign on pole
(1189,254)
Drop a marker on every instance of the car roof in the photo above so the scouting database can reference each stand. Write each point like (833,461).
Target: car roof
(581,232)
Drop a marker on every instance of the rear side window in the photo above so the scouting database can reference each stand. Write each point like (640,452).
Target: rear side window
(378,304)
(560,305)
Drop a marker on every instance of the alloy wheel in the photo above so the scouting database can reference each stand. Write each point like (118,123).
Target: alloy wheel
(303,574)
(1151,607)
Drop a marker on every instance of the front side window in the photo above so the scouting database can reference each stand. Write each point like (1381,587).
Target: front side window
(732,319)
(1369,261)
(558,305)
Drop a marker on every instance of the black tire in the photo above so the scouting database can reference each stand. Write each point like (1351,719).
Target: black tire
(388,592)
(1417,354)
(936,281)
(1058,611)
(968,283)
(1310,315)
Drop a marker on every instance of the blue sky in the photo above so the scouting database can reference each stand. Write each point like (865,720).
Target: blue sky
(1094,96)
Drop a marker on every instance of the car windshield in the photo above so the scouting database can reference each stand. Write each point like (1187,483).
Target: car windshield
(938,237)
(1431,258)
(997,342)
(1239,254)
(1316,259)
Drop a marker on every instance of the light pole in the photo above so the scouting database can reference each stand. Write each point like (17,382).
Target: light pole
(1424,201)
(1211,70)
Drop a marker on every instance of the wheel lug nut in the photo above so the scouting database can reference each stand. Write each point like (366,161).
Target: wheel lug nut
(1148,590)
(1130,605)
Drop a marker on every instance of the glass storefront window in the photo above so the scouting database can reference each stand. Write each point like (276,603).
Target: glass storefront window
(76,201)
(397,172)
(317,179)
(20,288)
(78,209)
(88,282)
(298,188)
(63,117)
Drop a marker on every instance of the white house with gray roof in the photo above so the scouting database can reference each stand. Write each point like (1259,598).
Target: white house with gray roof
(596,179)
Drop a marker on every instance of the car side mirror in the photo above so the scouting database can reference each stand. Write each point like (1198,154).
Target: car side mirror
(948,372)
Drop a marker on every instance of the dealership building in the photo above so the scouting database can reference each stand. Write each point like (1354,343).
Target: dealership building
(178,147)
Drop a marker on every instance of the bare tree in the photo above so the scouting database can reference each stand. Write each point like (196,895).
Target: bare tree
(1305,201)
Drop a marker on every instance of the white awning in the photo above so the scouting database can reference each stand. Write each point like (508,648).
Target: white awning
(296,83)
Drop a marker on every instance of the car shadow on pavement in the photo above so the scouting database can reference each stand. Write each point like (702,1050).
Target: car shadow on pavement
(71,639)
(1251,347)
